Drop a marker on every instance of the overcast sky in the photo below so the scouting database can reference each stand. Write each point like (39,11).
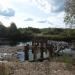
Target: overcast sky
(32,13)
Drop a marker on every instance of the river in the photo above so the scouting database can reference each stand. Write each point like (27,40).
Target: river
(21,56)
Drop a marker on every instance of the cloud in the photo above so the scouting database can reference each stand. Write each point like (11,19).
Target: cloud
(35,13)
(43,5)
(28,19)
(9,12)
(58,5)
(45,21)
(50,23)
(5,3)
(42,21)
(57,20)
(50,6)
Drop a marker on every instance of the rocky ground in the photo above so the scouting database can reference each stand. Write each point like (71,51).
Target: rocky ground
(46,67)
(11,52)
(10,49)
(39,68)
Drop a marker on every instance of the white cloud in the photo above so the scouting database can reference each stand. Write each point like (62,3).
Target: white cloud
(20,16)
(44,5)
(4,4)
(57,20)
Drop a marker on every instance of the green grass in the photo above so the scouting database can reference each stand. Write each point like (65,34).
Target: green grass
(66,59)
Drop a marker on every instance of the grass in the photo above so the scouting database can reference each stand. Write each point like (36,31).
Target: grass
(4,69)
(65,58)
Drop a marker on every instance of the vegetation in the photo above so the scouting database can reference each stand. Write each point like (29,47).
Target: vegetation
(4,69)
(70,12)
(67,59)
(13,33)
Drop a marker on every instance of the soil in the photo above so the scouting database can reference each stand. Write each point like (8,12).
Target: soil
(39,68)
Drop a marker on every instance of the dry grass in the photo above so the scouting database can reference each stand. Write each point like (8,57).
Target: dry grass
(4,69)
(56,67)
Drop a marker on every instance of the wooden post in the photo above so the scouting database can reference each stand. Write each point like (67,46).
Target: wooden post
(26,50)
(50,50)
(41,51)
(34,51)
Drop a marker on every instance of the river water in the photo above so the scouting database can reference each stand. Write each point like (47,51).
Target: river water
(21,56)
(46,54)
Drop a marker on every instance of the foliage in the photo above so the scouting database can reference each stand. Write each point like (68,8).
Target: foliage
(2,30)
(20,34)
(70,12)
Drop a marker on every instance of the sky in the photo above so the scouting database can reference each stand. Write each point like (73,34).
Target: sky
(33,13)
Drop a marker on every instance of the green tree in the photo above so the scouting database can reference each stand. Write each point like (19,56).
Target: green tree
(2,30)
(13,27)
(12,31)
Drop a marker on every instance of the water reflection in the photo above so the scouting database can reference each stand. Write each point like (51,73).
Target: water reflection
(21,55)
(24,43)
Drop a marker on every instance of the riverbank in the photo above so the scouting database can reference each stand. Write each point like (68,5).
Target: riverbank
(56,66)
(38,68)
(9,53)
(10,49)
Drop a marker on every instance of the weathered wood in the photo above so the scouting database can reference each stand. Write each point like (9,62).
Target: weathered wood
(26,50)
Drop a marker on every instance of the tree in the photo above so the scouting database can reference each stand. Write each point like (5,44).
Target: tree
(13,27)
(12,31)
(2,30)
(70,12)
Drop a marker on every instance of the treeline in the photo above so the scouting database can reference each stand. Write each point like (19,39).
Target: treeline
(24,34)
